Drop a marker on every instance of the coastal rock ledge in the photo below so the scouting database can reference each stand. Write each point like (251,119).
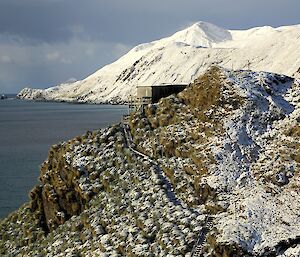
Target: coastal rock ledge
(211,171)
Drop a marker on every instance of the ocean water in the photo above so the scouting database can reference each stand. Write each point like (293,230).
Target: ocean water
(28,129)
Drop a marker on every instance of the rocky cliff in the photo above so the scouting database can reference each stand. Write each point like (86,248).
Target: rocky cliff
(213,170)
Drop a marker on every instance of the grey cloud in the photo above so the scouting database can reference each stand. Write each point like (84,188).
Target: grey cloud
(133,21)
(43,42)
(46,65)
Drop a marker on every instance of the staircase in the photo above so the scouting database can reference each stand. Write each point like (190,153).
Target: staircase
(169,188)
(198,247)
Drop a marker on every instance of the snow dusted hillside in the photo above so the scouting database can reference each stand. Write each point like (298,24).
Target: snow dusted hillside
(181,58)
(237,135)
(213,170)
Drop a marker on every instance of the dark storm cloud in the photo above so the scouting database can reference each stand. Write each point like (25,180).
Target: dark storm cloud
(43,42)
(133,21)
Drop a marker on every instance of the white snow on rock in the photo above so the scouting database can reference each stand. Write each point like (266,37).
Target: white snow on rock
(200,34)
(181,58)
(256,169)
(256,166)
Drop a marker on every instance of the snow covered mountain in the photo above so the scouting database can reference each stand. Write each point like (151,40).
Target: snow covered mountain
(181,58)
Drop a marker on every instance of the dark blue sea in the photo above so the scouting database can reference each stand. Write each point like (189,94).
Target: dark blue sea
(28,129)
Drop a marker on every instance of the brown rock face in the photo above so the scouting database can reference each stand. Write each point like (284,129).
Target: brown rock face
(70,175)
(59,197)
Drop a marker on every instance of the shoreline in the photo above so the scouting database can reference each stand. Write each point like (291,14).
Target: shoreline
(73,101)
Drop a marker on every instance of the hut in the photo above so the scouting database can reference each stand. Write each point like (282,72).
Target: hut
(152,94)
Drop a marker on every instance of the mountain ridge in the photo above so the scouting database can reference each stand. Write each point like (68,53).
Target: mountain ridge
(180,58)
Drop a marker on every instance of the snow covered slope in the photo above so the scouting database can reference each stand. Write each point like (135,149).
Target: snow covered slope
(218,170)
(181,58)
(236,133)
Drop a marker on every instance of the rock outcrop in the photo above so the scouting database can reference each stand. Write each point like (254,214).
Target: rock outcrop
(226,149)
(235,134)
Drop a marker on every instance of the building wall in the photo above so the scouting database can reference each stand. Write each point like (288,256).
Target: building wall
(159,92)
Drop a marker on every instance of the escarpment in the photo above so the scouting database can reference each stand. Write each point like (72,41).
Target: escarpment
(123,207)
(70,177)
(59,196)
(212,170)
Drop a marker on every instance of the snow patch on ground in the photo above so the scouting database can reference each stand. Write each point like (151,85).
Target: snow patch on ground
(261,214)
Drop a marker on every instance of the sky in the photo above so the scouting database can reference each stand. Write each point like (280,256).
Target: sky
(47,42)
